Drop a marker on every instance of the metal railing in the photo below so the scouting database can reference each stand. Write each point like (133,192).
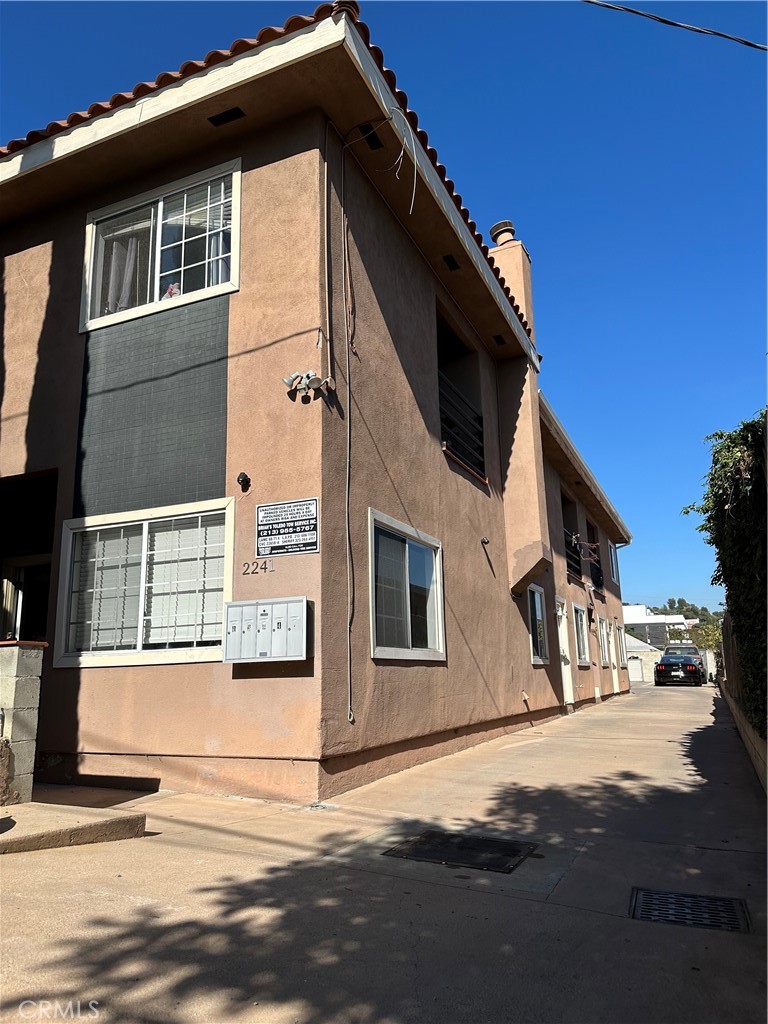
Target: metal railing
(461,427)
(572,554)
(597,575)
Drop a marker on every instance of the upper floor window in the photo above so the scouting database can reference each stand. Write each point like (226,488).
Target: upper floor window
(176,244)
(613,556)
(406,592)
(537,625)
(461,419)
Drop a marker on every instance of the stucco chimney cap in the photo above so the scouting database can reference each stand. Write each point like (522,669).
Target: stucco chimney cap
(502,227)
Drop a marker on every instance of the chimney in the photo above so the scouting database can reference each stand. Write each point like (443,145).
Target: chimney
(512,259)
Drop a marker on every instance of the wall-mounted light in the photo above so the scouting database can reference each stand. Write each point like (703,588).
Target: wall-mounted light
(244,481)
(303,383)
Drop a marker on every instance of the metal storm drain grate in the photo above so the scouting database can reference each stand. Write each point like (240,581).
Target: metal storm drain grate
(726,915)
(463,851)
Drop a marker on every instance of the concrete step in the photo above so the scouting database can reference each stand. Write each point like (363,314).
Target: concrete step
(36,826)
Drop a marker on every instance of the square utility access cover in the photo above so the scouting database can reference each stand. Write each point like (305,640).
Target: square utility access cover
(459,850)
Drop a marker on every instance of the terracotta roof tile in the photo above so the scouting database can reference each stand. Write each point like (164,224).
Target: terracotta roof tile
(240,46)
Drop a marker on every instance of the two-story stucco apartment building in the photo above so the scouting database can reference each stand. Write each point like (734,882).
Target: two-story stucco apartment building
(279,487)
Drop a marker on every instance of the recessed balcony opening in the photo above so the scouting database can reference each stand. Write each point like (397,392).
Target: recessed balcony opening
(461,419)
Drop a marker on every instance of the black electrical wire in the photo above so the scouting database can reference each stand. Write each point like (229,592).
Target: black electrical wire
(678,24)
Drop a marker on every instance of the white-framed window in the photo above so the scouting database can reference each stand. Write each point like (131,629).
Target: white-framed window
(613,558)
(582,635)
(537,625)
(602,627)
(622,645)
(406,591)
(145,587)
(170,246)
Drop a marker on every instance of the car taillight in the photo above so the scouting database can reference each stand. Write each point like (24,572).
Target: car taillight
(660,668)
(691,668)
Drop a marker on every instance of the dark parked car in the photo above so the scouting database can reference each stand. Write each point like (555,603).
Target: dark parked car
(678,668)
(683,648)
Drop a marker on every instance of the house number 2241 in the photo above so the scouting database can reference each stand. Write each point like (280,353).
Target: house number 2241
(254,568)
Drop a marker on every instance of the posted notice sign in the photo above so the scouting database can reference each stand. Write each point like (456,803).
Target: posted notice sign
(287,528)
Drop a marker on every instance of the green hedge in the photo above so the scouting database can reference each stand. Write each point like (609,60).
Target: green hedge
(734,522)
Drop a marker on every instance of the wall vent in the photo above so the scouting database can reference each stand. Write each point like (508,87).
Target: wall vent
(368,132)
(450,262)
(226,117)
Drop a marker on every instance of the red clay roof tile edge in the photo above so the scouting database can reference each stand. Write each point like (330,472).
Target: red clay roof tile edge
(268,35)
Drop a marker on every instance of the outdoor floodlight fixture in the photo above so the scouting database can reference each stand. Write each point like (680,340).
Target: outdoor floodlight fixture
(303,383)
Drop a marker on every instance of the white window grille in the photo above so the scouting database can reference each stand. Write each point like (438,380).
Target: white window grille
(147,586)
(176,244)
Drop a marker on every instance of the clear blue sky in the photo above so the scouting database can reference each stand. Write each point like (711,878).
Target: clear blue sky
(631,157)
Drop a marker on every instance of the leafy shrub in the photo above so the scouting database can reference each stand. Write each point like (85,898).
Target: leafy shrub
(733,512)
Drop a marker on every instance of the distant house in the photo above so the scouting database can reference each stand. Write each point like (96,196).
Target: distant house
(279,486)
(641,658)
(656,630)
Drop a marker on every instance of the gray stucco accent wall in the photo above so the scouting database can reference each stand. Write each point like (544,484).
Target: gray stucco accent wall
(154,411)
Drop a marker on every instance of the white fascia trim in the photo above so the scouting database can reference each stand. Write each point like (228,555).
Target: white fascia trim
(62,659)
(386,101)
(574,456)
(220,78)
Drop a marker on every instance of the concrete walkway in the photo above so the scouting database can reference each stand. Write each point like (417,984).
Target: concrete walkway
(260,912)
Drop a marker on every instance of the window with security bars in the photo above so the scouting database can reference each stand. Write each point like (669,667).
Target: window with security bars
(178,243)
(148,586)
(537,624)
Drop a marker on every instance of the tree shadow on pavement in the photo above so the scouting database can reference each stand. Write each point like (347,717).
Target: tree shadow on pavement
(325,941)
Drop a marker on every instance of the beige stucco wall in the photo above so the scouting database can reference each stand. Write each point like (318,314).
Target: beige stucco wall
(188,722)
(398,468)
(284,730)
(606,605)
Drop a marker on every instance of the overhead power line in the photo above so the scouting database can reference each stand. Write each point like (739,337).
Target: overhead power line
(678,24)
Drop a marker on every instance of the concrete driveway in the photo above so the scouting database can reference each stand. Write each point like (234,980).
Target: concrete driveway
(242,910)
